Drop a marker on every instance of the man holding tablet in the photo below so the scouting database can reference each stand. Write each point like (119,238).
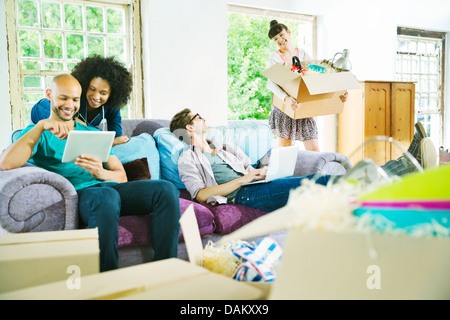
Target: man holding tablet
(103,191)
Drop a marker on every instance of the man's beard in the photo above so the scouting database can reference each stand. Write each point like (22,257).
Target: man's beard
(57,112)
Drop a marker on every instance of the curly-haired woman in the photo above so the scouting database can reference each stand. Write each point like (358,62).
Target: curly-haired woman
(106,85)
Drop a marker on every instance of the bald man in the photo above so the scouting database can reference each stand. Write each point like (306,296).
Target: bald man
(103,191)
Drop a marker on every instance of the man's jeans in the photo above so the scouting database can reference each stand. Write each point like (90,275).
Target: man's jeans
(101,206)
(272,195)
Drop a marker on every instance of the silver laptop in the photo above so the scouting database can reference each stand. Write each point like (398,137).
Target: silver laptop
(281,164)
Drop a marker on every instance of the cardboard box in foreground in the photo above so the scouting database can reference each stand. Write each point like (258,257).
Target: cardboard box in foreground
(171,279)
(328,265)
(35,258)
(332,265)
(318,93)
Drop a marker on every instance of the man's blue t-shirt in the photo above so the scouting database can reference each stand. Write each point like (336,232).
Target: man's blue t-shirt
(48,152)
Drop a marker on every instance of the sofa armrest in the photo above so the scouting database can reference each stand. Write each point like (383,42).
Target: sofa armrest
(311,162)
(34,199)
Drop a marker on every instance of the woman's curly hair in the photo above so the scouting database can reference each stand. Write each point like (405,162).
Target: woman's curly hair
(109,69)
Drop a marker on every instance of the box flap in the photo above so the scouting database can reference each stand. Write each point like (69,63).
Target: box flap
(280,74)
(209,286)
(191,234)
(48,250)
(113,284)
(330,82)
(165,279)
(48,236)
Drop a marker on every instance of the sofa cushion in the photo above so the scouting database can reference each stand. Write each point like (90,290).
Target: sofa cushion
(170,148)
(134,230)
(142,146)
(230,217)
(204,216)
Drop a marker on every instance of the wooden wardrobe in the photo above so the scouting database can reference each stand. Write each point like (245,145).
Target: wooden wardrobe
(378,108)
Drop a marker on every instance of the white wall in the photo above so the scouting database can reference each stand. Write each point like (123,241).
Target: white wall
(185,54)
(5,107)
(185,58)
(367,28)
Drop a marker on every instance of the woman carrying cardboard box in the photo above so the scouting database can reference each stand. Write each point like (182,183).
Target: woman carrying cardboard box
(285,128)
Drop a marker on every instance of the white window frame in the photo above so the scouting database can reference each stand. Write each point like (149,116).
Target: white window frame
(17,74)
(306,37)
(417,74)
(308,42)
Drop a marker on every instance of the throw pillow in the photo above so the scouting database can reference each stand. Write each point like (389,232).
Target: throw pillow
(170,148)
(142,146)
(137,170)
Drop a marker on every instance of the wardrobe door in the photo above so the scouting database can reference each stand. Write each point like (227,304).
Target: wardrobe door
(402,116)
(377,120)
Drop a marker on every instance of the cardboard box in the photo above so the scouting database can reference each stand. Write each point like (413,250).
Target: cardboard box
(328,265)
(171,279)
(348,265)
(34,258)
(194,248)
(318,93)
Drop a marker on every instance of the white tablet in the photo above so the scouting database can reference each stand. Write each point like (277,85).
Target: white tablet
(91,143)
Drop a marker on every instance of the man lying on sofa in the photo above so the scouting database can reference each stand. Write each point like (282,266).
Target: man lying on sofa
(216,172)
(103,191)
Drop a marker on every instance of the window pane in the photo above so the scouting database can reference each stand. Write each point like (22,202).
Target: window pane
(94,19)
(115,21)
(51,15)
(412,47)
(96,45)
(432,48)
(70,65)
(424,65)
(434,66)
(402,46)
(433,102)
(31,65)
(58,66)
(29,44)
(74,17)
(52,45)
(421,47)
(116,48)
(415,65)
(32,82)
(27,110)
(32,97)
(125,111)
(406,65)
(28,13)
(75,46)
